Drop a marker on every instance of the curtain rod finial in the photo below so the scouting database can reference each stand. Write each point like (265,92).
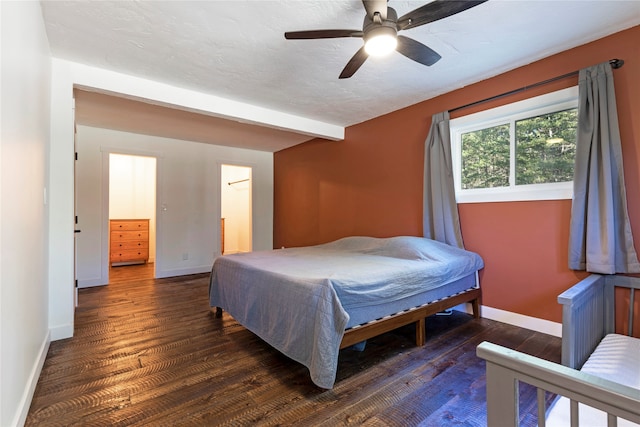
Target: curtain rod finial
(616,63)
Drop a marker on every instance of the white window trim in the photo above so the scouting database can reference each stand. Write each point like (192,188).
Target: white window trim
(555,101)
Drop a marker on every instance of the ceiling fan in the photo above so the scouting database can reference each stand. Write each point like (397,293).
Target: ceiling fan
(380,31)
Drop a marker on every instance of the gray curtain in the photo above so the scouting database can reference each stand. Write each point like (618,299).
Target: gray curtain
(440,211)
(600,238)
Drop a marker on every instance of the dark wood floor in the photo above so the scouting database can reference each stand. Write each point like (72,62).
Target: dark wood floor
(127,273)
(150,352)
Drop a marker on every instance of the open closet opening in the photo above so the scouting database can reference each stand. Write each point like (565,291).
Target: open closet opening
(236,211)
(132,217)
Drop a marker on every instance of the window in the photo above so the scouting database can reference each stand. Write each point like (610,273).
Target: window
(520,151)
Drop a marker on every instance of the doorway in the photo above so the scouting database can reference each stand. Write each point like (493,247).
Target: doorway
(236,222)
(132,217)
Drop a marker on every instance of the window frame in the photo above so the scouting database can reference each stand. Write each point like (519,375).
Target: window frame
(552,102)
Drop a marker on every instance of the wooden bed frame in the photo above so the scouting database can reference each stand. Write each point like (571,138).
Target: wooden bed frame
(588,315)
(415,315)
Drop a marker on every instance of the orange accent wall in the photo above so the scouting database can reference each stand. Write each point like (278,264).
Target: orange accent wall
(371,183)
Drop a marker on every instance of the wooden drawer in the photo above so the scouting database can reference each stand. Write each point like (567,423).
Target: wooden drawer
(129,224)
(123,245)
(117,236)
(129,255)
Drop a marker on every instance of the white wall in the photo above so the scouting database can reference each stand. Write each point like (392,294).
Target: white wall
(188,196)
(61,212)
(24,136)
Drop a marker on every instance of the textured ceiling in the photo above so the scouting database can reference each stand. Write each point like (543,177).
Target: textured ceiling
(236,49)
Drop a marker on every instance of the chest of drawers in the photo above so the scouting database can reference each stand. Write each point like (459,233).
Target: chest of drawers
(129,241)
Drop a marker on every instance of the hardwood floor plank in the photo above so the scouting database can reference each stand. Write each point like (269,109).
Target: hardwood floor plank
(425,387)
(150,352)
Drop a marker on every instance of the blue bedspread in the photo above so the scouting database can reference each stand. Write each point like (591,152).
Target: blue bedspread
(298,299)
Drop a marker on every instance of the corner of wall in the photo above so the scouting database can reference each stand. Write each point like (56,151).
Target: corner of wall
(61,332)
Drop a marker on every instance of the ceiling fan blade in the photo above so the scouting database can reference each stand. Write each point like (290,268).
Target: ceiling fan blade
(433,11)
(373,6)
(354,63)
(321,34)
(417,51)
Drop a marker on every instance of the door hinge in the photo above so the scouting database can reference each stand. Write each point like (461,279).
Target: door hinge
(76,153)
(76,219)
(76,283)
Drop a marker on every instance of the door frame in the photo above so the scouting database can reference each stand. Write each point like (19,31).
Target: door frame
(249,165)
(75,206)
(104,211)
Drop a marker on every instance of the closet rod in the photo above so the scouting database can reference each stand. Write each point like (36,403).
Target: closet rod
(235,182)
(615,63)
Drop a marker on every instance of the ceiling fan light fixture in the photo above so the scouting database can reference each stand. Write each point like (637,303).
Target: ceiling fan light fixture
(380,41)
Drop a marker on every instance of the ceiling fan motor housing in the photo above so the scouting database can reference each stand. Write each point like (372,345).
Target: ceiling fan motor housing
(380,35)
(378,26)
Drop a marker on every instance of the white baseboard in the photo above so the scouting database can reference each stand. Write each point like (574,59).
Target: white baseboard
(183,271)
(88,283)
(527,322)
(61,332)
(25,401)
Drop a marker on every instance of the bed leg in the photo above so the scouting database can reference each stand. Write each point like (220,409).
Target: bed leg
(421,332)
(218,313)
(475,306)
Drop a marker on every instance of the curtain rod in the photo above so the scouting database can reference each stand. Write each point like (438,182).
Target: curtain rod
(615,63)
(235,182)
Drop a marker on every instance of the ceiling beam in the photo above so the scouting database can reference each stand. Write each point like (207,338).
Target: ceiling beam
(139,89)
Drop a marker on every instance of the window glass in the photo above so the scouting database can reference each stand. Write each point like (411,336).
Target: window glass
(485,158)
(546,148)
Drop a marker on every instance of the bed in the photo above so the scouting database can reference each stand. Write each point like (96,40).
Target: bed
(598,383)
(310,302)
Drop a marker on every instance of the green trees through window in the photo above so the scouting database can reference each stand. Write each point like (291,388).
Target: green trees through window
(485,158)
(544,148)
